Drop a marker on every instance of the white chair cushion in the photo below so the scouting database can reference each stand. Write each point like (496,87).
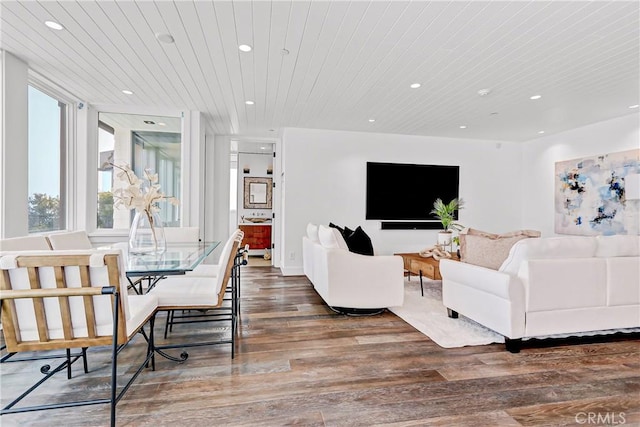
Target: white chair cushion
(186,291)
(141,308)
(181,234)
(224,259)
(70,240)
(27,243)
(331,238)
(205,270)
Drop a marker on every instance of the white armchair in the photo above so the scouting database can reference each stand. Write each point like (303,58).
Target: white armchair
(350,282)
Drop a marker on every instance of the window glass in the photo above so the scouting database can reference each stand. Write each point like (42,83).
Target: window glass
(47,144)
(142,142)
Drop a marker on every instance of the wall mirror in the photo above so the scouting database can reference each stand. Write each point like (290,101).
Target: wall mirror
(257,193)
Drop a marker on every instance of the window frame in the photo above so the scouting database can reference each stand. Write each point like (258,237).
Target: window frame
(68,196)
(109,235)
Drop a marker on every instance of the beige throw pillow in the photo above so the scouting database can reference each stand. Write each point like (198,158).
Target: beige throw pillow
(487,249)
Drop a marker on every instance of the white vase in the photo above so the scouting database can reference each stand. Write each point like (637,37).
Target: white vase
(146,235)
(444,238)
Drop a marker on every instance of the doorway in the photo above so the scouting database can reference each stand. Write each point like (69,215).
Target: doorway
(251,201)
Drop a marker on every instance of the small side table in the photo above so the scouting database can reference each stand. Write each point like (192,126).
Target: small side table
(421,266)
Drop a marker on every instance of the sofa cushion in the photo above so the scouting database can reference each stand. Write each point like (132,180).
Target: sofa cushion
(548,248)
(359,242)
(487,249)
(312,232)
(331,238)
(617,246)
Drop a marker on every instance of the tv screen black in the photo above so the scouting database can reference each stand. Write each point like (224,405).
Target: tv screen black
(398,191)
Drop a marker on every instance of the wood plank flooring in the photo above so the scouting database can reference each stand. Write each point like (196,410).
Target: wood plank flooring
(299,363)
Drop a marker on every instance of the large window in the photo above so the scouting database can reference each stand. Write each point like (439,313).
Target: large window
(47,167)
(142,142)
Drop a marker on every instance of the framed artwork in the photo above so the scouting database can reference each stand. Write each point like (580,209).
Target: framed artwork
(257,193)
(591,197)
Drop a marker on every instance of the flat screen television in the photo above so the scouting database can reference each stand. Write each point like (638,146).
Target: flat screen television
(399,191)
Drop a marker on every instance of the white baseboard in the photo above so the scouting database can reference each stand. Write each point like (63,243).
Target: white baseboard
(292,271)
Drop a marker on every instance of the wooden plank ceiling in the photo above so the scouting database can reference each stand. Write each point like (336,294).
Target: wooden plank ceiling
(339,64)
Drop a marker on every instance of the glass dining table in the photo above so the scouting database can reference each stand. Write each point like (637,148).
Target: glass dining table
(179,258)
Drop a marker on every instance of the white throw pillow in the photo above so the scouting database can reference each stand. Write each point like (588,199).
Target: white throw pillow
(312,232)
(331,238)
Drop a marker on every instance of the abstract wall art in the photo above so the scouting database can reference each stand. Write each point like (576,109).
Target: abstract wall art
(590,196)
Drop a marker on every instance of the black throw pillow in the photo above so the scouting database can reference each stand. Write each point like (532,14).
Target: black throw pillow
(345,232)
(359,242)
(340,229)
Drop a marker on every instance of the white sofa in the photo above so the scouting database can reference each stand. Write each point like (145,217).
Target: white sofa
(548,286)
(349,282)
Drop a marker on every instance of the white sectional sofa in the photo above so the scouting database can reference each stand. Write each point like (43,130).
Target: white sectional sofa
(350,282)
(547,286)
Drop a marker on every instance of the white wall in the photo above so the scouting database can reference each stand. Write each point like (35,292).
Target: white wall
(14,149)
(325,174)
(540,156)
(218,187)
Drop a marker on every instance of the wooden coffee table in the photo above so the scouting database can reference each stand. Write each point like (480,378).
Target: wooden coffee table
(421,266)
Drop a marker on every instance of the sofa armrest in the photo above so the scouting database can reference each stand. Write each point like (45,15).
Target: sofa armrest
(492,298)
(374,281)
(487,280)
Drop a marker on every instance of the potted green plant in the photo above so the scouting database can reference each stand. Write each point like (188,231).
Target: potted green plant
(445,213)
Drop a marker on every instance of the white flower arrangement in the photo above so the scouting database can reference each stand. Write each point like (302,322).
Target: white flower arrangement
(142,195)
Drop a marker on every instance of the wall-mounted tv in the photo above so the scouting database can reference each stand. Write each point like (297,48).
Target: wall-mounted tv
(399,191)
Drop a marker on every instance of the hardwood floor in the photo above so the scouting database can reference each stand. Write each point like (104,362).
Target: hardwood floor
(299,363)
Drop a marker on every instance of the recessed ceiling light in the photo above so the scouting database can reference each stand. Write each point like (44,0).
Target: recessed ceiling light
(372,120)
(535,97)
(249,102)
(463,127)
(495,113)
(127,92)
(162,124)
(484,92)
(541,132)
(54,25)
(272,130)
(245,48)
(165,38)
(263,148)
(415,85)
(150,122)
(634,106)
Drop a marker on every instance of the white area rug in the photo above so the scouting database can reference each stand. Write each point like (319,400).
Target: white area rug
(429,316)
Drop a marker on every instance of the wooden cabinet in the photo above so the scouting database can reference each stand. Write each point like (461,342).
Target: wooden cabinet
(256,236)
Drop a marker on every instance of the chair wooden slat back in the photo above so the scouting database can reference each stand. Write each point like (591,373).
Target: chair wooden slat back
(60,323)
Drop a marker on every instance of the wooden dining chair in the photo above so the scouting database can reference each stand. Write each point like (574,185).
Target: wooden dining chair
(205,295)
(30,243)
(71,299)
